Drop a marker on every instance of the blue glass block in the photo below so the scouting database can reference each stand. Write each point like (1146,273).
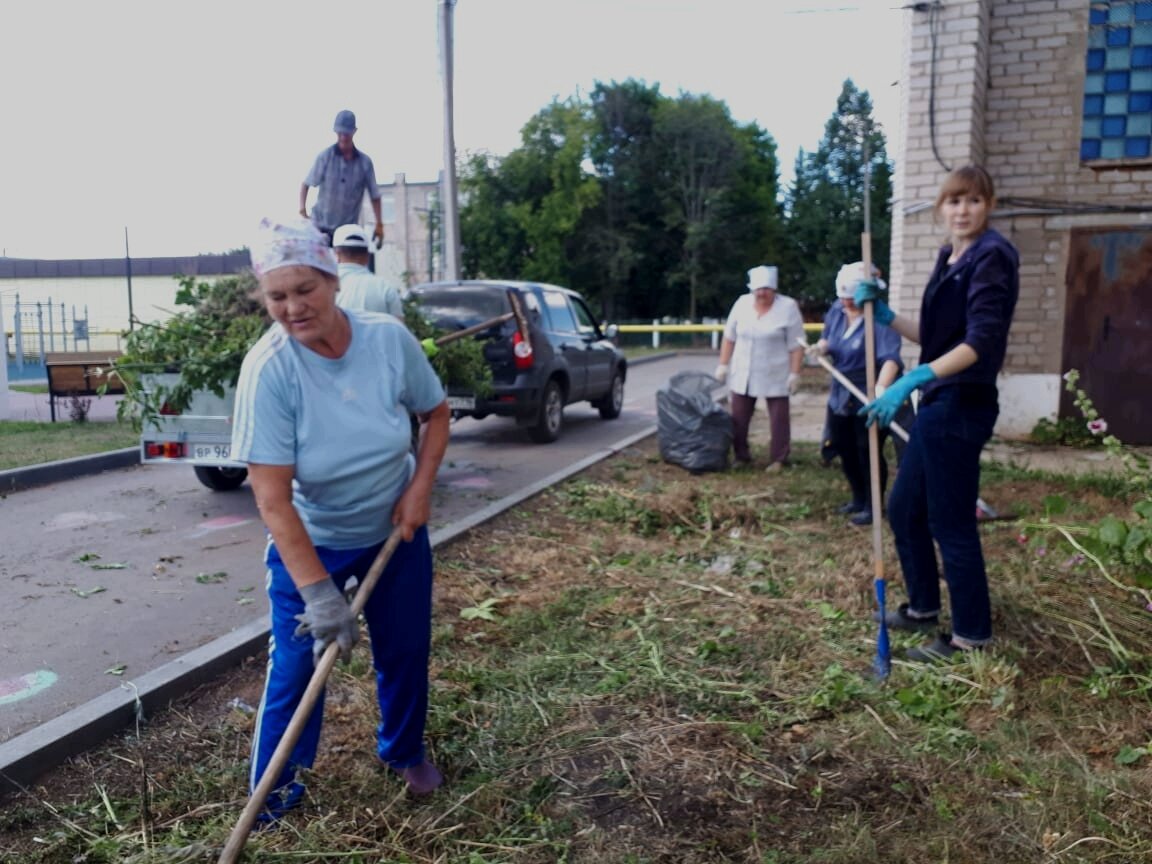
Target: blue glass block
(1091,128)
(1119,13)
(1117,103)
(1097,16)
(1141,80)
(1142,57)
(1089,149)
(1093,106)
(1095,60)
(1137,147)
(1097,39)
(1115,82)
(1112,148)
(1139,125)
(1142,34)
(1144,11)
(1138,102)
(1118,58)
(1114,127)
(1094,82)
(1119,37)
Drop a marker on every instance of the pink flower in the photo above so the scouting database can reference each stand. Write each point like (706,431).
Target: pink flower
(1097,427)
(1022,539)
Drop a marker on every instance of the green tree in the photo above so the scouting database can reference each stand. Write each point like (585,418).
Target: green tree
(826,202)
(522,210)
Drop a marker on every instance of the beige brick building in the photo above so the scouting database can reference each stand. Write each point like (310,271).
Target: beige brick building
(1054,98)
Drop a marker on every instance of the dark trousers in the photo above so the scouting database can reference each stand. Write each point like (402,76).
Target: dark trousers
(779,423)
(938,479)
(849,437)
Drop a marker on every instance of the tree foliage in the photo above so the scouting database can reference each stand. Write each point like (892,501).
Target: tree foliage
(656,206)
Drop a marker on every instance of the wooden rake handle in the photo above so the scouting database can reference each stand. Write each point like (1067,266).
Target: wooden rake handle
(247,819)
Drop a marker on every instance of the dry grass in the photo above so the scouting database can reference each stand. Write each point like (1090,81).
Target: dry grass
(648,666)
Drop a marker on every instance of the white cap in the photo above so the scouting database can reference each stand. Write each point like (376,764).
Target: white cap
(763,276)
(351,237)
(852,273)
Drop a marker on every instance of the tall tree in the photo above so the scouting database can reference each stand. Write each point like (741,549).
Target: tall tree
(700,153)
(826,202)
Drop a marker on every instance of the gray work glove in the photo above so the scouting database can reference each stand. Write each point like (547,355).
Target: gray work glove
(327,617)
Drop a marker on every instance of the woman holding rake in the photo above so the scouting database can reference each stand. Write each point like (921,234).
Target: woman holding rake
(965,316)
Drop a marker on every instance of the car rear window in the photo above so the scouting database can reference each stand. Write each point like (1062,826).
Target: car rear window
(459,308)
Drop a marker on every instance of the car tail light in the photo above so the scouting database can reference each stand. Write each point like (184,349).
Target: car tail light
(165,450)
(522,351)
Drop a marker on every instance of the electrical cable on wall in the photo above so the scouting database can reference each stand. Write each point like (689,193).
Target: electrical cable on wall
(933,33)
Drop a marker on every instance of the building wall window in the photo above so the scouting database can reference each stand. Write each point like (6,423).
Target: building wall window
(1118,82)
(388,208)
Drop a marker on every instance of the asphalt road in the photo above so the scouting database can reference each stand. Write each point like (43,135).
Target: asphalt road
(108,578)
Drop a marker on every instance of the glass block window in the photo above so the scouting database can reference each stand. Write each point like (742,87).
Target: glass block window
(1118,81)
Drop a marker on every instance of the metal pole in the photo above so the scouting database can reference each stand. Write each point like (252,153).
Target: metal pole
(451,227)
(128,264)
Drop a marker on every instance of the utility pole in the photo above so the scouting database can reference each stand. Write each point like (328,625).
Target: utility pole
(451,224)
(128,267)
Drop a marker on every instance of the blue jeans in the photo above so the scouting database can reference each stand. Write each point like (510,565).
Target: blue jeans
(934,499)
(399,618)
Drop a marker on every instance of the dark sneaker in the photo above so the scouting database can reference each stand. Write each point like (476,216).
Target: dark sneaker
(940,650)
(851,507)
(864,517)
(899,619)
(422,779)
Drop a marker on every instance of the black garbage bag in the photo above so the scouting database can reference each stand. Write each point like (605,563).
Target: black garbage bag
(693,430)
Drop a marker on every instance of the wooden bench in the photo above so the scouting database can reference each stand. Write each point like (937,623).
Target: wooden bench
(80,373)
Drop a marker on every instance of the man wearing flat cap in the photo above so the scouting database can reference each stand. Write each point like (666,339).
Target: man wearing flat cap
(342,174)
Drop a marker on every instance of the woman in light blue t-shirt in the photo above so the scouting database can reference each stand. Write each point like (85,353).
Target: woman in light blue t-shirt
(322,421)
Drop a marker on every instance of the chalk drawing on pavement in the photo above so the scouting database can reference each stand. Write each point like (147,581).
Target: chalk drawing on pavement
(23,686)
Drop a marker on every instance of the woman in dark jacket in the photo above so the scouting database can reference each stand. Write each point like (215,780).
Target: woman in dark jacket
(963,335)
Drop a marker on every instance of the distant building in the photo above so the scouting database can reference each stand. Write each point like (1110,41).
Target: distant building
(1054,98)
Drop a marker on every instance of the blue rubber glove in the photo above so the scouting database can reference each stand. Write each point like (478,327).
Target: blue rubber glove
(883,410)
(868,291)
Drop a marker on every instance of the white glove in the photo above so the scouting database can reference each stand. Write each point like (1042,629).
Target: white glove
(721,373)
(793,383)
(816,351)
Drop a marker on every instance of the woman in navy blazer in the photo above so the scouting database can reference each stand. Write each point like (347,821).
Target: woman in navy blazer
(963,328)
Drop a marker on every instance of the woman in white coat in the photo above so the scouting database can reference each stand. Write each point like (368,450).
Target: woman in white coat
(761,357)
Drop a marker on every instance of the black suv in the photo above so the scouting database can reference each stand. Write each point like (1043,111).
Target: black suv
(548,352)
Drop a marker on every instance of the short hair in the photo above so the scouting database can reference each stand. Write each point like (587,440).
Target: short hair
(971,179)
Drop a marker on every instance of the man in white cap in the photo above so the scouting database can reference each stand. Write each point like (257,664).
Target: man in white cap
(360,288)
(760,358)
(342,174)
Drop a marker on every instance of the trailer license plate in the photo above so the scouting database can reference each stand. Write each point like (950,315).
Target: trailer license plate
(212,451)
(462,403)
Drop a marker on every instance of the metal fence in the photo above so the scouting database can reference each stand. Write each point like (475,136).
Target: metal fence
(33,330)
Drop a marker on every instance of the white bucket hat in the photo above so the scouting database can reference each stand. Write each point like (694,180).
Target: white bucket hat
(763,276)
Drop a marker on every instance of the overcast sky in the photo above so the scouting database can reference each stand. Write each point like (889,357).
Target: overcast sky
(187,122)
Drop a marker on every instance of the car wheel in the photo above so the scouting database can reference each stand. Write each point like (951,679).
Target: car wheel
(221,479)
(551,417)
(611,405)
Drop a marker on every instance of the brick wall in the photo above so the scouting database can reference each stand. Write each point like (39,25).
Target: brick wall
(1009,88)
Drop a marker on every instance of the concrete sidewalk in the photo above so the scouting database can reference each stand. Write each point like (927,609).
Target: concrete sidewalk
(35,406)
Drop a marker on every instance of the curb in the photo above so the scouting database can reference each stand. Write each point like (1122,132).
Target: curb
(29,755)
(15,479)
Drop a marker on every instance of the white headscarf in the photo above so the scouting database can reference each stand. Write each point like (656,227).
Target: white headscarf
(852,273)
(288,244)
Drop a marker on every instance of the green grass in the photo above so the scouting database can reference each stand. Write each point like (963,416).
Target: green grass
(30,443)
(30,388)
